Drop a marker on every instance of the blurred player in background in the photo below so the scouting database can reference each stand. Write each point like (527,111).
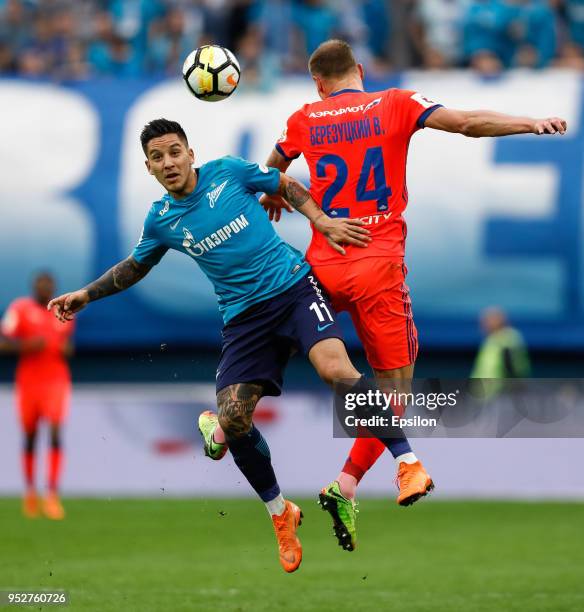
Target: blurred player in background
(269,299)
(355,144)
(503,353)
(501,356)
(43,386)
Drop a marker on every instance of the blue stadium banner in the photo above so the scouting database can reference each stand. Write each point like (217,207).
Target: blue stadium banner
(491,221)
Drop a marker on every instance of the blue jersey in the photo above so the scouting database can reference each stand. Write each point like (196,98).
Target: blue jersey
(224,229)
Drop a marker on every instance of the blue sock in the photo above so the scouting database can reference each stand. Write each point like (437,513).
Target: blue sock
(396,445)
(251,454)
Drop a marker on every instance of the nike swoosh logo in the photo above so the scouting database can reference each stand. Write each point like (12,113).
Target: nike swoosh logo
(174,225)
(323,327)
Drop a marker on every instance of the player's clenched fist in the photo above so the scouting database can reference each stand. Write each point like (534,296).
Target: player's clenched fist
(65,306)
(342,231)
(551,125)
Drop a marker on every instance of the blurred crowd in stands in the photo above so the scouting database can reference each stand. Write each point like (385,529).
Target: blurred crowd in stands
(78,39)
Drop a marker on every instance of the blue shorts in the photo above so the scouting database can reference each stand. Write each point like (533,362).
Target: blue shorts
(258,342)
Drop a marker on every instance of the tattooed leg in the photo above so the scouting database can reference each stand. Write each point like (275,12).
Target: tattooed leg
(247,445)
(236,404)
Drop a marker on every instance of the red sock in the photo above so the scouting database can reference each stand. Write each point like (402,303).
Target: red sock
(55,463)
(364,453)
(28,460)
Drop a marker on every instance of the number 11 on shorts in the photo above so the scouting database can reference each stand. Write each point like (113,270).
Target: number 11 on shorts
(318,309)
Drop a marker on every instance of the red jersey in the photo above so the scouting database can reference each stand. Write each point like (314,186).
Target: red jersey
(26,319)
(356,146)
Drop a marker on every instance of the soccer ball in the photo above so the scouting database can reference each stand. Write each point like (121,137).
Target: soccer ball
(211,73)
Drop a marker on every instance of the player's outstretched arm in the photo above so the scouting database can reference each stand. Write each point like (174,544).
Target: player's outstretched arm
(336,231)
(274,204)
(118,278)
(488,123)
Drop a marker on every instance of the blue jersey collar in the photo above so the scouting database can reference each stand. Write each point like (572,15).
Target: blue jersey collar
(344,91)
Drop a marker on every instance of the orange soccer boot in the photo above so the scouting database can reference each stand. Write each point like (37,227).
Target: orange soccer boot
(52,507)
(30,504)
(289,546)
(413,482)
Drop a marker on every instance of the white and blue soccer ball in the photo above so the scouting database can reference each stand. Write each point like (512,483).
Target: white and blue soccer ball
(211,73)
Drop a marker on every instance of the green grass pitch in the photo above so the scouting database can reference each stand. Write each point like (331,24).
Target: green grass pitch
(170,554)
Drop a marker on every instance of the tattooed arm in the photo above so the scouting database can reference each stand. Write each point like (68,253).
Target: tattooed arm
(298,197)
(336,231)
(121,276)
(236,404)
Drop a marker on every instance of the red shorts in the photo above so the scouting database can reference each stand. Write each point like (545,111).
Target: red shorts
(373,291)
(42,401)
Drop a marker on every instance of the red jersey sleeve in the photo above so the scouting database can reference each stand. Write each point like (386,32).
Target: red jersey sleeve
(11,324)
(412,109)
(289,145)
